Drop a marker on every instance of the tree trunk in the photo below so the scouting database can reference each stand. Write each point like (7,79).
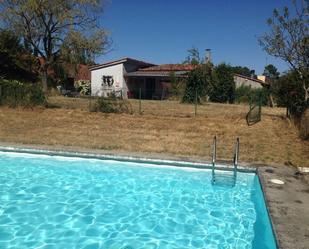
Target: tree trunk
(44,79)
(271,100)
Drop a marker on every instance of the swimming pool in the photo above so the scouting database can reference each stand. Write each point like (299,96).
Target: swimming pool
(62,202)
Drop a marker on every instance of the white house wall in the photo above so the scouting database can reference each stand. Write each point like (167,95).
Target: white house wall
(239,81)
(97,86)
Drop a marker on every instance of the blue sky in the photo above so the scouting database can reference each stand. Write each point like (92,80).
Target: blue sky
(161,31)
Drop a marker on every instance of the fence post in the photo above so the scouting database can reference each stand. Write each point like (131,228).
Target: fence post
(195,103)
(140,101)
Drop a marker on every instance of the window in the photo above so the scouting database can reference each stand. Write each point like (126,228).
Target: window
(107,80)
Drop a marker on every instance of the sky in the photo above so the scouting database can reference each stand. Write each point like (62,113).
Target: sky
(161,31)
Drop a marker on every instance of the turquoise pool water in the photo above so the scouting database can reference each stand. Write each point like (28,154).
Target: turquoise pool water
(59,202)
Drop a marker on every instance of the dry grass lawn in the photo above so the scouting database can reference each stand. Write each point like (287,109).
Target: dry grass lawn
(164,127)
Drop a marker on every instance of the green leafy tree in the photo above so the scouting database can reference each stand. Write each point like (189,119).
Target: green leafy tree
(16,61)
(222,88)
(49,27)
(245,71)
(272,74)
(197,83)
(288,92)
(288,39)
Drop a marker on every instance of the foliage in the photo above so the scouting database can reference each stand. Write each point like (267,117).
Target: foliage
(272,76)
(197,83)
(83,86)
(288,39)
(15,93)
(111,105)
(193,57)
(245,71)
(16,62)
(49,27)
(246,94)
(222,87)
(177,86)
(289,93)
(271,72)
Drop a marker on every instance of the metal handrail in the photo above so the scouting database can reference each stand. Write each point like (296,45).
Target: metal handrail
(236,156)
(214,156)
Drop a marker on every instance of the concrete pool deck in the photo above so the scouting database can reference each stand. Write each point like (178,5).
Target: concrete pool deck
(288,204)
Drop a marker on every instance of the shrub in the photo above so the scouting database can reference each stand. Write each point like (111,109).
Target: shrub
(197,83)
(177,87)
(288,92)
(246,94)
(111,105)
(83,86)
(15,93)
(222,87)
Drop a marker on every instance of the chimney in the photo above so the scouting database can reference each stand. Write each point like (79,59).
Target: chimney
(208,55)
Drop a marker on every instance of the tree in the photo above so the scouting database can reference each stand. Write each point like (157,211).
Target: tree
(16,61)
(222,88)
(197,83)
(243,71)
(288,39)
(193,57)
(272,74)
(48,26)
(289,93)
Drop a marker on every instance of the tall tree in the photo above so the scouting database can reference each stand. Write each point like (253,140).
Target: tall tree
(272,74)
(193,57)
(16,61)
(47,26)
(288,39)
(222,88)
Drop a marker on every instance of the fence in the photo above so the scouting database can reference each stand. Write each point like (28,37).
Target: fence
(146,101)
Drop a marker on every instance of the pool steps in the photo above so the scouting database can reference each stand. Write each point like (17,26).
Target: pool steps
(214,157)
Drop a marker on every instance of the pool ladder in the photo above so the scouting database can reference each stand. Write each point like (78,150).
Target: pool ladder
(214,158)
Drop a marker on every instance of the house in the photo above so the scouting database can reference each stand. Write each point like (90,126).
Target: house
(241,80)
(110,77)
(130,78)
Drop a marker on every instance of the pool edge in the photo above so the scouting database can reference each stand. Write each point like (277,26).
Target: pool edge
(273,227)
(199,164)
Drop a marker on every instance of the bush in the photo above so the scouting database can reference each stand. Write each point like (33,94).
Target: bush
(197,83)
(288,92)
(83,86)
(15,93)
(111,105)
(246,94)
(222,87)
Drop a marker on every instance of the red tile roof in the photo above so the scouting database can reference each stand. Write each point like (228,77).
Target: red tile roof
(170,67)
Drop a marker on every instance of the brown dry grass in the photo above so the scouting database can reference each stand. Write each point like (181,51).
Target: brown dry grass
(165,127)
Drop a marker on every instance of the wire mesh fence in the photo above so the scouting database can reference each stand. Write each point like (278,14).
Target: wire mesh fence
(138,101)
(144,101)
